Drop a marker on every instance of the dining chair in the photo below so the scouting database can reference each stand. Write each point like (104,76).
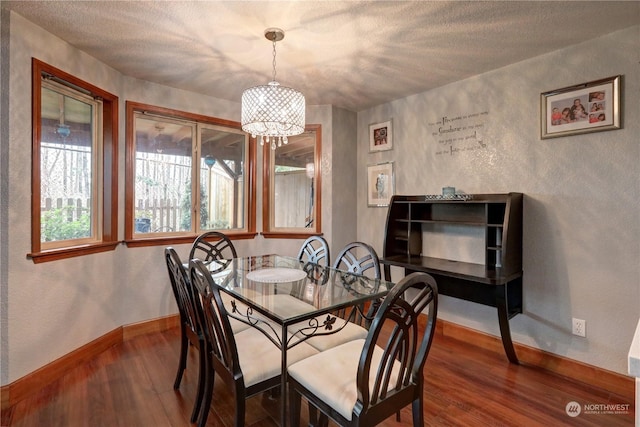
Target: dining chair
(315,250)
(358,258)
(190,330)
(216,246)
(247,361)
(355,259)
(363,382)
(211,246)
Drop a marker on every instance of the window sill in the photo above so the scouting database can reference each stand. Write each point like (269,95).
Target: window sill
(70,252)
(288,235)
(179,240)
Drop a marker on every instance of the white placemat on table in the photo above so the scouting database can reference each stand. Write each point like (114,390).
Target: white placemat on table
(276,275)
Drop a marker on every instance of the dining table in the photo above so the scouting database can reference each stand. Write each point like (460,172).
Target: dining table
(291,301)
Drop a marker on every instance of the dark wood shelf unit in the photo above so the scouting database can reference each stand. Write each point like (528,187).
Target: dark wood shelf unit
(496,283)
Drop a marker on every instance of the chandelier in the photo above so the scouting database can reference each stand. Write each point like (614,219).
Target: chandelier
(273,112)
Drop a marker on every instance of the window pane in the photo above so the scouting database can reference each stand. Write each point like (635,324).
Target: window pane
(292,204)
(163,175)
(67,185)
(222,178)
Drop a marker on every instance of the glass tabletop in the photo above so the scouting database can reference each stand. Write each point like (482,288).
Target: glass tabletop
(288,290)
(291,301)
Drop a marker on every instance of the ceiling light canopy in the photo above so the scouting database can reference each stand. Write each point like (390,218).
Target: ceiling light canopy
(273,112)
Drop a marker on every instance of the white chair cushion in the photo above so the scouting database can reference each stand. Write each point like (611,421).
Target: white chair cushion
(331,375)
(237,325)
(260,359)
(282,304)
(285,305)
(350,332)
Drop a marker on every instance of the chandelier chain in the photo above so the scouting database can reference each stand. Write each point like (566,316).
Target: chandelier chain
(274,57)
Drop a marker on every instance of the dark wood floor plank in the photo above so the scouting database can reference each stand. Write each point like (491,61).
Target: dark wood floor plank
(132,385)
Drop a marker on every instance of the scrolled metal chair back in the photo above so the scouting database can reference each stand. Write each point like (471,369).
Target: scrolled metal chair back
(211,246)
(315,250)
(359,258)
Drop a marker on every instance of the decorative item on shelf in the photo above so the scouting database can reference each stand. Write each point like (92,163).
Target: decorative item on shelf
(381,136)
(457,197)
(583,108)
(273,112)
(448,191)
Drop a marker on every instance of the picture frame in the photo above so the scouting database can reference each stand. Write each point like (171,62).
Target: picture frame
(381,136)
(584,108)
(380,184)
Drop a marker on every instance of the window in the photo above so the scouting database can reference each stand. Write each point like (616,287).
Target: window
(291,207)
(74,178)
(186,174)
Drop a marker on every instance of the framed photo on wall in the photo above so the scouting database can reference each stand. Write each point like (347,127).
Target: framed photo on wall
(587,107)
(381,136)
(380,184)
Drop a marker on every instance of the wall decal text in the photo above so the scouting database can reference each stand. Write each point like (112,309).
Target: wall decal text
(459,133)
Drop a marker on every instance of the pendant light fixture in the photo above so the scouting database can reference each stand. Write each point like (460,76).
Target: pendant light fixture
(273,112)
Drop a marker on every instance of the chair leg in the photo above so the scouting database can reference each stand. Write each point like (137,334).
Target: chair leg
(418,415)
(240,408)
(275,393)
(294,408)
(182,364)
(202,354)
(323,420)
(209,377)
(313,415)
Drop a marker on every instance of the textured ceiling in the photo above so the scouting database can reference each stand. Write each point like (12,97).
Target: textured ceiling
(351,54)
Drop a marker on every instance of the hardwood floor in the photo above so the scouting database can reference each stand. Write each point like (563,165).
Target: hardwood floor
(131,385)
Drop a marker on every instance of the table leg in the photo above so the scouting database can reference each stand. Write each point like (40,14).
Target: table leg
(503,320)
(283,379)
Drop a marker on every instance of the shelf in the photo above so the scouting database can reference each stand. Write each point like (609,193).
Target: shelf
(444,267)
(442,222)
(410,217)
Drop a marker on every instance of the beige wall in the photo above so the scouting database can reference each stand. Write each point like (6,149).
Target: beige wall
(344,175)
(582,193)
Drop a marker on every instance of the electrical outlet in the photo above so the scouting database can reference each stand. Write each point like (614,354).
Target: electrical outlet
(579,327)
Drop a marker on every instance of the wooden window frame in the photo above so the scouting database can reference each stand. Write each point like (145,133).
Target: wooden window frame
(130,157)
(267,172)
(108,157)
